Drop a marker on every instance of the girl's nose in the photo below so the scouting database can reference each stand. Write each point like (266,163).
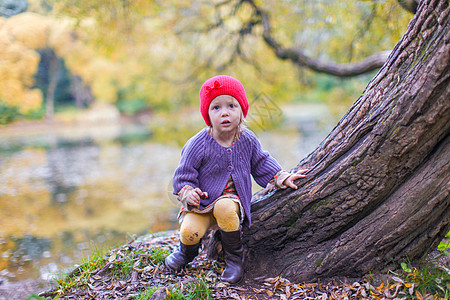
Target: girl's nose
(225,112)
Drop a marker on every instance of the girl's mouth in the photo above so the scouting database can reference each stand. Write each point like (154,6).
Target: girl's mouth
(226,123)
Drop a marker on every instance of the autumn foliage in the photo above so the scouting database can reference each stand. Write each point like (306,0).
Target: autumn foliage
(156,54)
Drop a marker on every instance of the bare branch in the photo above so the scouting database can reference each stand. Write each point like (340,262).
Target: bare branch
(298,57)
(237,51)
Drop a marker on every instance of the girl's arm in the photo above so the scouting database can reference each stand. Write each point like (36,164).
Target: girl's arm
(187,173)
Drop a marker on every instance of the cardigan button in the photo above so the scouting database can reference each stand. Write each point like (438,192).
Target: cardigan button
(229,151)
(230,168)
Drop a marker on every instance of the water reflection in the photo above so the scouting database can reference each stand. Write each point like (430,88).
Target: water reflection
(68,164)
(59,194)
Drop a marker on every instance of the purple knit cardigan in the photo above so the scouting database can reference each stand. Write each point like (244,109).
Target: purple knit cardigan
(208,165)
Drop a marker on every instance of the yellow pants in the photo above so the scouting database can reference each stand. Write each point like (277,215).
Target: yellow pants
(194,226)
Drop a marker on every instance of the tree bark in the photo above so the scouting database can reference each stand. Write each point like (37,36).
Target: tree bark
(378,186)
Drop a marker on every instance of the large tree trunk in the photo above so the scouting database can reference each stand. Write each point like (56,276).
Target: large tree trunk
(378,186)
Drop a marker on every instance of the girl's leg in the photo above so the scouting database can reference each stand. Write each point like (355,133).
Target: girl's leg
(226,213)
(194,227)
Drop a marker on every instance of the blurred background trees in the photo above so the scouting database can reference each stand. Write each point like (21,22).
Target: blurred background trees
(153,56)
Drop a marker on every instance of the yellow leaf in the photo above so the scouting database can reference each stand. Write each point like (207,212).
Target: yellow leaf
(419,295)
(393,286)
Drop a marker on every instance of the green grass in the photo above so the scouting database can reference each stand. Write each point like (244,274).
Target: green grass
(35,297)
(429,278)
(197,289)
(158,255)
(122,259)
(122,268)
(83,273)
(445,244)
(145,295)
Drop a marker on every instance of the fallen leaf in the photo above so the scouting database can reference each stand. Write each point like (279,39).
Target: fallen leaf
(411,289)
(272,280)
(398,279)
(288,292)
(220,285)
(96,277)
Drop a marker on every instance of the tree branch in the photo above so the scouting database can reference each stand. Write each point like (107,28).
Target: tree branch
(298,57)
(237,49)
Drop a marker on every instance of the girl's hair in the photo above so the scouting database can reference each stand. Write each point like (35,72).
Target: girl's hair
(243,124)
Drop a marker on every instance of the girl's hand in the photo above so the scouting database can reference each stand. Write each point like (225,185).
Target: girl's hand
(294,176)
(194,196)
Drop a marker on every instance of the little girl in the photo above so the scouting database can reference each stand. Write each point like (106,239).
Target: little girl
(213,180)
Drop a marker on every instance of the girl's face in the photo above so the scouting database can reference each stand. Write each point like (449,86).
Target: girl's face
(225,114)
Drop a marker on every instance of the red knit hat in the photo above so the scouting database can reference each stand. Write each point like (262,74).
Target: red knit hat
(221,85)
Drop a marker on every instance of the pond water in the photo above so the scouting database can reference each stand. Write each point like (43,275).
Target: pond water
(64,191)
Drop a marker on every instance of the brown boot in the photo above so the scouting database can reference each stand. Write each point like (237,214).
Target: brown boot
(234,256)
(178,259)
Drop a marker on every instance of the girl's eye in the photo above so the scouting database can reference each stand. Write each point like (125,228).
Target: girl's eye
(216,107)
(231,105)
